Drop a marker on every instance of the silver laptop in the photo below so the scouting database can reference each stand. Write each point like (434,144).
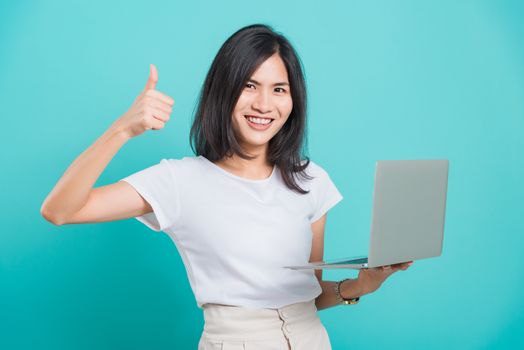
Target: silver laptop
(409,203)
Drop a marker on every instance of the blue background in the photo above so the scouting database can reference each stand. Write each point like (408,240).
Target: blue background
(387,80)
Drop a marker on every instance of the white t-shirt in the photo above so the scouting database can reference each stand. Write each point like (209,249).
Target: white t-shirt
(234,234)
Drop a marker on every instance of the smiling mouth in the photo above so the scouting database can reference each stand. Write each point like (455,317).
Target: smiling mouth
(258,121)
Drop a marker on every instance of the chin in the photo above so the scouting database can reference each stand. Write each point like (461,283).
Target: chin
(255,143)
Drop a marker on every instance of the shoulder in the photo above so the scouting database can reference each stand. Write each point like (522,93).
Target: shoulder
(165,171)
(314,169)
(312,176)
(181,162)
(182,165)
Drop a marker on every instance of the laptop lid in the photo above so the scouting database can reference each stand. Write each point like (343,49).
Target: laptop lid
(409,201)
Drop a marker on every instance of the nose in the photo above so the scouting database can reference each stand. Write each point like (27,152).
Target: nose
(262,102)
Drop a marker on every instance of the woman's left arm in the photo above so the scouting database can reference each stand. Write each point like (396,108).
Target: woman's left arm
(368,280)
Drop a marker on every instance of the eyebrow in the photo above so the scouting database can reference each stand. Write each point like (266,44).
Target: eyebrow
(276,84)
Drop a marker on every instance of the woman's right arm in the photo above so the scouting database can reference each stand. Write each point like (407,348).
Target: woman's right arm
(74,200)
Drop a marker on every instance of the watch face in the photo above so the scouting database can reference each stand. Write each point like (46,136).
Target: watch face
(352,301)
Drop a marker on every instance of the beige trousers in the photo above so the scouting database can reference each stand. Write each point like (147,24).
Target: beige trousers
(296,327)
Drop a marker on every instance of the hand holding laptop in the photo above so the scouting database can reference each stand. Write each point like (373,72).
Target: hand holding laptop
(370,279)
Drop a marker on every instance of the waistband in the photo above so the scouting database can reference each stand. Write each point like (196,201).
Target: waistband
(239,323)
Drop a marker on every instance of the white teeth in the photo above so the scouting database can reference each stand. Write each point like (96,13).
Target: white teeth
(259,120)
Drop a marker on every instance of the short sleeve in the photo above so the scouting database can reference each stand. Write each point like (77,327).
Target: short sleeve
(325,193)
(157,185)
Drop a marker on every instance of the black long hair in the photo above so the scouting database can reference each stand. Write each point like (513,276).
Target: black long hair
(241,54)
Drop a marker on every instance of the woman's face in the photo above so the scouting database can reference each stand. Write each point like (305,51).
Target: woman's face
(266,97)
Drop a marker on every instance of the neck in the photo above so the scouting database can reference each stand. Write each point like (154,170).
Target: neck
(258,167)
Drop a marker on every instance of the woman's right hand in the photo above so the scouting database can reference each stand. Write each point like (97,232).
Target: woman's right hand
(150,110)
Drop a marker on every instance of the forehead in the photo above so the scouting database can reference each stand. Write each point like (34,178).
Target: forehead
(272,70)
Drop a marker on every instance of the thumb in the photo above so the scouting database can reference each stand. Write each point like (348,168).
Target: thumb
(153,78)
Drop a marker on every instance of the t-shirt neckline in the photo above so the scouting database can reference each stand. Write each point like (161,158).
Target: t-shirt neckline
(227,173)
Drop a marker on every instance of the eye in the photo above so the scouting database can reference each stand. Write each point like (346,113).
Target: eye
(282,90)
(249,84)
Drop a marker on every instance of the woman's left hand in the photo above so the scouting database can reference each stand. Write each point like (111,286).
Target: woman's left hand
(371,279)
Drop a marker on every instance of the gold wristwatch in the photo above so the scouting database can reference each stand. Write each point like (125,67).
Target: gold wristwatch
(351,301)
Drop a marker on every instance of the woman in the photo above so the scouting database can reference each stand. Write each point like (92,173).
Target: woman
(248,204)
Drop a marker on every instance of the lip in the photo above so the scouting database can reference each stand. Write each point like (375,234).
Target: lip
(258,127)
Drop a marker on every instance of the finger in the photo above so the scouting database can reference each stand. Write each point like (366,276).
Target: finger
(159,104)
(158,95)
(403,264)
(404,267)
(153,78)
(159,114)
(157,124)
(396,267)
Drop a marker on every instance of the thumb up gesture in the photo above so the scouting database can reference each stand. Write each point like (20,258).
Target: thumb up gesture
(150,110)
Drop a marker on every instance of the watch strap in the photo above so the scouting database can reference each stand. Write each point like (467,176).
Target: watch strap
(350,301)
